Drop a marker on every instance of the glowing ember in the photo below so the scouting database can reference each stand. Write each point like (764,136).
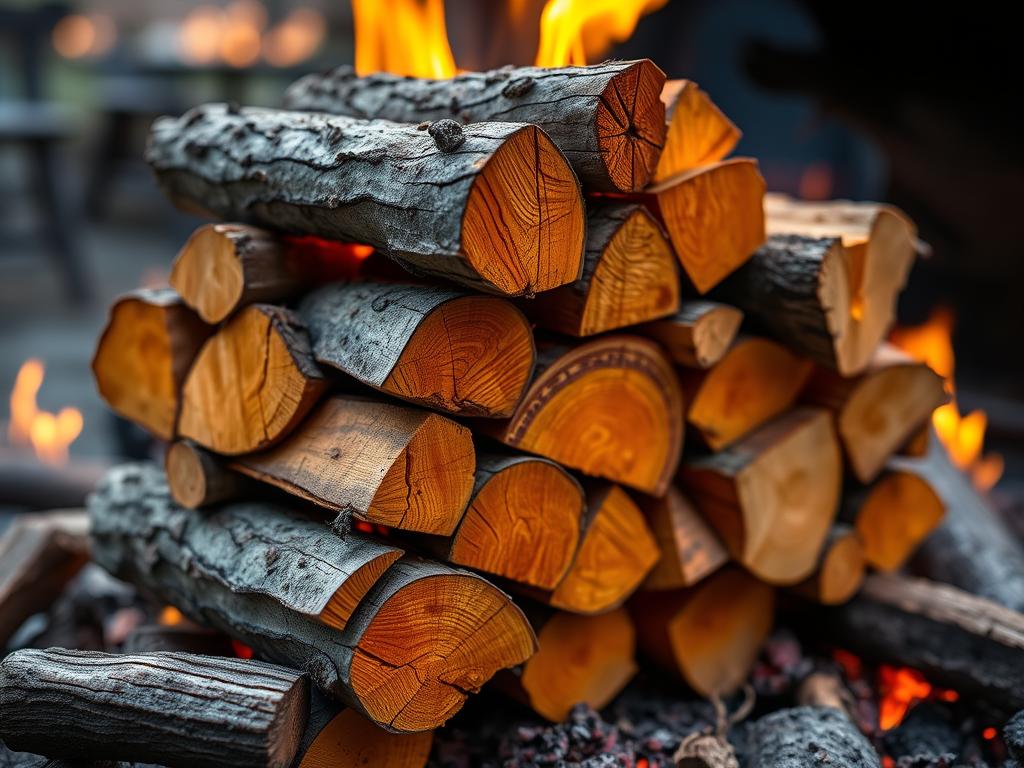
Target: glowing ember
(575,31)
(963,436)
(49,434)
(900,688)
(988,734)
(852,666)
(241,650)
(169,616)
(405,37)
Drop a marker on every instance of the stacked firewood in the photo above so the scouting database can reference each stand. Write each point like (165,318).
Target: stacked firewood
(443,346)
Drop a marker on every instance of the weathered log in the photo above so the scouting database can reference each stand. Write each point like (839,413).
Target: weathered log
(713,215)
(710,634)
(840,569)
(772,496)
(422,639)
(1013,735)
(39,554)
(955,639)
(808,737)
(629,276)
(433,346)
(174,709)
(251,383)
(690,549)
(151,638)
(879,409)
(698,132)
(927,731)
(698,334)
(610,407)
(389,464)
(607,118)
(496,206)
(753,382)
(144,355)
(198,478)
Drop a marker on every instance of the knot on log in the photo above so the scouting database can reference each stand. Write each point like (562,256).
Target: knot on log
(517,87)
(447,134)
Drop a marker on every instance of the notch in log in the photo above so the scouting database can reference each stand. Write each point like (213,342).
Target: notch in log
(607,118)
(840,569)
(755,381)
(773,496)
(629,276)
(174,709)
(503,214)
(690,549)
(698,334)
(808,737)
(433,346)
(879,409)
(714,216)
(251,383)
(144,355)
(418,644)
(710,634)
(698,132)
(610,407)
(383,463)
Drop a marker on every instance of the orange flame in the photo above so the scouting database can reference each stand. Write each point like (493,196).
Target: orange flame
(169,616)
(963,436)
(575,31)
(901,688)
(50,435)
(404,37)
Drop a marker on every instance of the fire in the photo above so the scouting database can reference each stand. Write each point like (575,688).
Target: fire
(575,31)
(404,37)
(238,36)
(49,434)
(962,435)
(169,616)
(901,688)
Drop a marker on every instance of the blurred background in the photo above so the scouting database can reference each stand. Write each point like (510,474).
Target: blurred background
(905,103)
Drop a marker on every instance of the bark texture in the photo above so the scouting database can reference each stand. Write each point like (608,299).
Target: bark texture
(808,737)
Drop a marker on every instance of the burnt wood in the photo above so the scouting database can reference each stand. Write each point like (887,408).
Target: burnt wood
(808,737)
(1013,735)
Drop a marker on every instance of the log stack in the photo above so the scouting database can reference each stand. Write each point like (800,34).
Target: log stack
(607,383)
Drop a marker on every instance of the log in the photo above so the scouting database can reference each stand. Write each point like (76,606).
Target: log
(198,478)
(610,407)
(698,132)
(252,383)
(710,634)
(175,709)
(755,381)
(39,554)
(839,571)
(773,496)
(713,216)
(698,334)
(928,731)
(433,346)
(808,737)
(153,638)
(879,409)
(939,630)
(607,118)
(629,276)
(1013,735)
(690,549)
(144,355)
(388,464)
(494,206)
(523,522)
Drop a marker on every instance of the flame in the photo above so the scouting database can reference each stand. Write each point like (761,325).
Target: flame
(169,616)
(900,688)
(77,35)
(49,434)
(573,31)
(963,436)
(404,37)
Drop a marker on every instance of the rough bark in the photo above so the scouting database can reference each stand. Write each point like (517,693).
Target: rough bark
(167,708)
(388,185)
(808,737)
(1013,735)
(607,118)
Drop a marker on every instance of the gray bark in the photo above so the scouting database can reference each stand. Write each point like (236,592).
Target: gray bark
(808,737)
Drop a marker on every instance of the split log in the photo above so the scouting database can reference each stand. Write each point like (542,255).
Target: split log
(587,659)
(198,478)
(388,464)
(629,276)
(713,215)
(808,737)
(610,407)
(494,206)
(879,409)
(39,555)
(690,550)
(840,569)
(773,496)
(251,383)
(710,634)
(433,346)
(523,521)
(153,638)
(939,630)
(698,334)
(698,132)
(755,381)
(167,708)
(143,356)
(607,118)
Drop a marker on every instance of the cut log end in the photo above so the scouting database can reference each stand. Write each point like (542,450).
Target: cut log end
(523,226)
(197,478)
(840,570)
(698,335)
(698,132)
(350,741)
(343,603)
(897,515)
(690,550)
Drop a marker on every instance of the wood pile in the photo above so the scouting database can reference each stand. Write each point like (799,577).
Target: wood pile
(616,382)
